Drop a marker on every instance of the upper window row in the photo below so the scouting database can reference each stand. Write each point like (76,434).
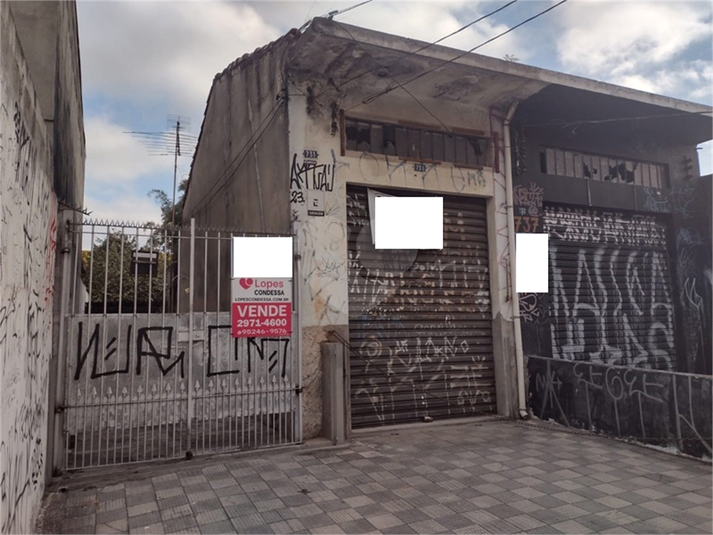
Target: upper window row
(578,165)
(416,144)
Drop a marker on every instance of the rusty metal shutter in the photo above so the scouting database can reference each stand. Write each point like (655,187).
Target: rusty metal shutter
(610,288)
(420,321)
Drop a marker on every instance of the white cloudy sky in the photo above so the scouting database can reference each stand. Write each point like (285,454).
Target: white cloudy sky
(142,61)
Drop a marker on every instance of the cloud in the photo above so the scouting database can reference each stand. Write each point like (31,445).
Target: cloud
(644,45)
(114,156)
(429,21)
(155,50)
(124,206)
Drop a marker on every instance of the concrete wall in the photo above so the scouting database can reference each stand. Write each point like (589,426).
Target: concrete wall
(237,173)
(323,276)
(27,241)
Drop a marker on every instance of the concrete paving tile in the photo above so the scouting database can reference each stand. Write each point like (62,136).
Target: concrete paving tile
(180,523)
(218,527)
(658,507)
(596,523)
(142,509)
(570,526)
(501,526)
(524,522)
(695,498)
(525,506)
(397,505)
(612,502)
(705,527)
(306,510)
(241,523)
(209,505)
(428,526)
(484,501)
(617,517)
(147,519)
(107,529)
(151,529)
(480,516)
(357,526)
(211,517)
(528,493)
(268,505)
(547,501)
(280,527)
(176,512)
(344,515)
(453,522)
(138,499)
(665,524)
(327,530)
(401,529)
(686,517)
(201,496)
(173,501)
(105,517)
(316,521)
(701,510)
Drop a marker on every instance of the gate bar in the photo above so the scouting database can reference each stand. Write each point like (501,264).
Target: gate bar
(191,275)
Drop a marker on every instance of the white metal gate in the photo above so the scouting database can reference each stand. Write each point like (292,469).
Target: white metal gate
(152,369)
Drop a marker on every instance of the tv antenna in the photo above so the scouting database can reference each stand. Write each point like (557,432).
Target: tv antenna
(172,142)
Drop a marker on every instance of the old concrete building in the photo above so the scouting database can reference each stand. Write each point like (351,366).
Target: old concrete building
(41,176)
(299,137)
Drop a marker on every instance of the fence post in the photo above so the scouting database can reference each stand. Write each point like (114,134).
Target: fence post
(191,276)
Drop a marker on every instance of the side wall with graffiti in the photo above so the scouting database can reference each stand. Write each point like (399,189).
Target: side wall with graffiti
(28,212)
(630,281)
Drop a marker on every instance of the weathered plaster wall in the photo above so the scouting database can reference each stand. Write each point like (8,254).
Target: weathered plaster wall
(320,173)
(27,246)
(237,176)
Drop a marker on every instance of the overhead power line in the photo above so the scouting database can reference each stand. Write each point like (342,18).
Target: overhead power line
(372,98)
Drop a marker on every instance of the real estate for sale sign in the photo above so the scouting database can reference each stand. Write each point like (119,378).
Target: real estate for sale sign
(261,307)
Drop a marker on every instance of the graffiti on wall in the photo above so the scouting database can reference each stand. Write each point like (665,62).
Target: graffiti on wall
(611,305)
(28,227)
(527,203)
(663,408)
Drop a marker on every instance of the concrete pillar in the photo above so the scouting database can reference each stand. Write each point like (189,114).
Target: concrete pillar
(333,408)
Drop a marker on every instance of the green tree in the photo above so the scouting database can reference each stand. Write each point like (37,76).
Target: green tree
(168,209)
(115,281)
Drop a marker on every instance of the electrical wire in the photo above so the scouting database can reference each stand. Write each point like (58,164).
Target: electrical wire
(428,45)
(375,96)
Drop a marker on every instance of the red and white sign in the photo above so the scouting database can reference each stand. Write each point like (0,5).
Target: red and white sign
(261,307)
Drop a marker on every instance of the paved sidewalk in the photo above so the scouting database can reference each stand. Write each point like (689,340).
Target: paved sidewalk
(475,477)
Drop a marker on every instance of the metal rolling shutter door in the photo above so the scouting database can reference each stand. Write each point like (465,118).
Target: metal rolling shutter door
(610,287)
(420,321)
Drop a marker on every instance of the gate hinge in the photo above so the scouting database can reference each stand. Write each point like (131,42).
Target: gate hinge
(298,390)
(59,409)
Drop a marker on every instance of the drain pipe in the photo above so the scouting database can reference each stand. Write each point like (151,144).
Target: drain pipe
(519,357)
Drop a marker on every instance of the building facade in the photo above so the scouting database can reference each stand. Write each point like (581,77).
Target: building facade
(303,134)
(41,181)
